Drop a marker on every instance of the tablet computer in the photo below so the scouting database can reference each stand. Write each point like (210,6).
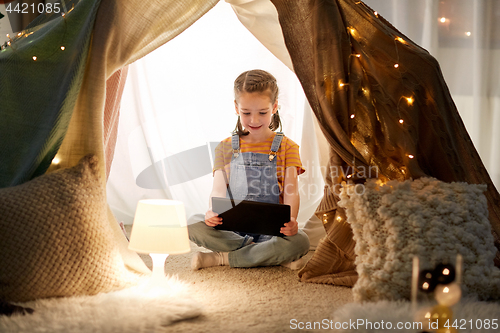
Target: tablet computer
(251,216)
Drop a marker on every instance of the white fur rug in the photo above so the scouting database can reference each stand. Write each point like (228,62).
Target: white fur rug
(471,316)
(129,310)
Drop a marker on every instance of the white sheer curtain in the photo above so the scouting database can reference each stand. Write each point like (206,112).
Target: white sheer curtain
(179,98)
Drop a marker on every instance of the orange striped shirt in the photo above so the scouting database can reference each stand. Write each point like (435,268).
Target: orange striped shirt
(287,155)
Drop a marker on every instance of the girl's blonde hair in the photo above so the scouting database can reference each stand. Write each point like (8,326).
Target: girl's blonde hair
(257,80)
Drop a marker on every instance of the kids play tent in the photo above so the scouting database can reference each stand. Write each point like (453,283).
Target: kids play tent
(62,80)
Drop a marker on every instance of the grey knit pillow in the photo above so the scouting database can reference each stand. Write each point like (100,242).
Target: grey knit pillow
(426,217)
(55,239)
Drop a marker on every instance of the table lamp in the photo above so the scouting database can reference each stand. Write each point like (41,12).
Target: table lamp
(159,229)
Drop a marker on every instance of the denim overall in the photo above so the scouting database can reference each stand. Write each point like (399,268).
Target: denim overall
(253,177)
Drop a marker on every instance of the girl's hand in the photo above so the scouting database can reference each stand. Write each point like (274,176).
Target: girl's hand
(212,219)
(291,228)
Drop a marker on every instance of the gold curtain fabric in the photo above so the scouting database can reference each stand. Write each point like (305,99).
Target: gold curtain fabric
(381,101)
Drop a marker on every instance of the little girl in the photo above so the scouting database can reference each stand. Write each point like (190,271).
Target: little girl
(254,149)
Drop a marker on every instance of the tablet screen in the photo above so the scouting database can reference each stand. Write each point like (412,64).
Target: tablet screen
(251,216)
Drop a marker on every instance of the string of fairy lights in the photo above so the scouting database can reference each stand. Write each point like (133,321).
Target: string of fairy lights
(441,280)
(410,99)
(12,40)
(352,33)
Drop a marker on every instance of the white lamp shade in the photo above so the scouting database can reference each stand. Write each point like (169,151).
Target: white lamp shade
(160,227)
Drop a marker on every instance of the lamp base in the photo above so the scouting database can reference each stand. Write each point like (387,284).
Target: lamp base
(157,282)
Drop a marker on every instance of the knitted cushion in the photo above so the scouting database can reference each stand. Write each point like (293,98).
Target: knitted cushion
(431,219)
(55,239)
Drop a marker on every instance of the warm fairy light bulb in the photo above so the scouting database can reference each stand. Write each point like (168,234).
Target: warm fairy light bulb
(448,295)
(352,116)
(401,40)
(19,34)
(34,58)
(401,121)
(468,33)
(339,218)
(411,156)
(442,20)
(63,48)
(409,100)
(56,160)
(8,36)
(358,55)
(8,43)
(376,14)
(341,84)
(396,65)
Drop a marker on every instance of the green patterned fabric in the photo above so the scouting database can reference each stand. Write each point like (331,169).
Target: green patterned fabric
(37,98)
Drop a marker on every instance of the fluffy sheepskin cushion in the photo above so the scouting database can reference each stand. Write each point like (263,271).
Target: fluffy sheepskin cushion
(55,239)
(428,218)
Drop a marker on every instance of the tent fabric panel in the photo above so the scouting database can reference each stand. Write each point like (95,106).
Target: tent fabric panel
(38,94)
(122,32)
(344,56)
(114,91)
(261,19)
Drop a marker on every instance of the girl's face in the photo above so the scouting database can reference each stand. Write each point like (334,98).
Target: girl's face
(255,110)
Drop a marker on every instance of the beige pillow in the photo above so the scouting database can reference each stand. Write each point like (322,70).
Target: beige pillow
(429,218)
(55,239)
